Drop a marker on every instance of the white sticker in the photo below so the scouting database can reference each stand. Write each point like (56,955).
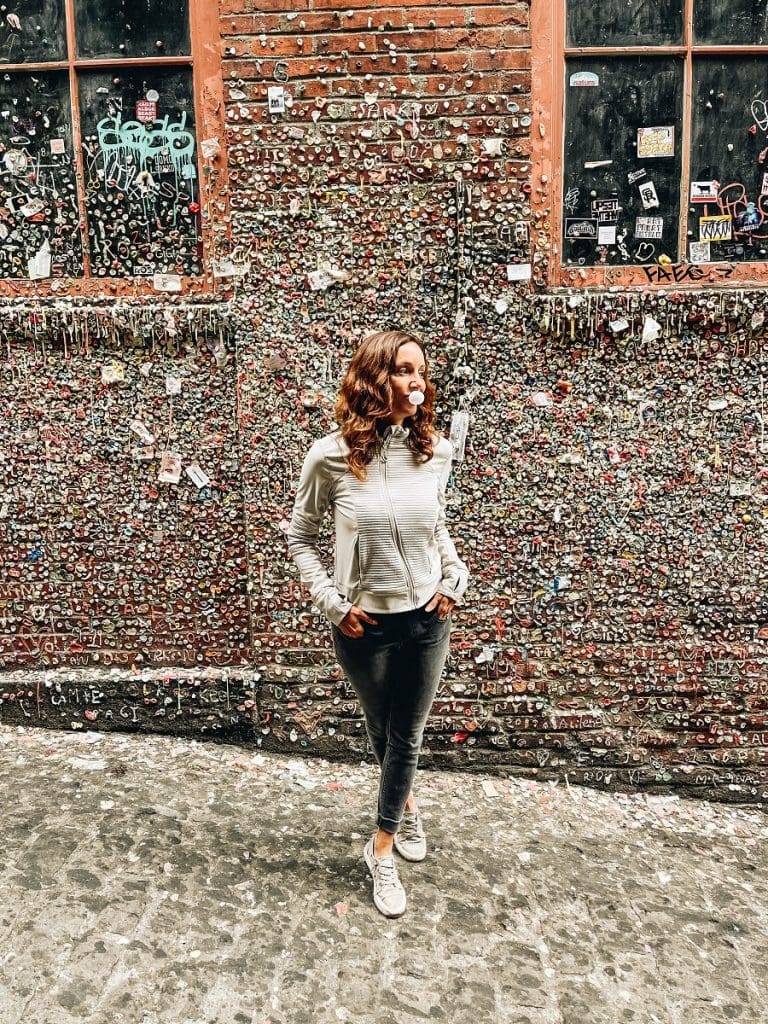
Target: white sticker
(57,147)
(276,99)
(617,326)
(585,228)
(698,252)
(704,191)
(518,271)
(740,488)
(649,227)
(210,148)
(584,79)
(651,329)
(39,266)
(226,267)
(16,161)
(32,207)
(493,147)
(111,373)
(198,476)
(606,234)
(172,384)
(170,468)
(324,277)
(141,429)
(166,282)
(648,196)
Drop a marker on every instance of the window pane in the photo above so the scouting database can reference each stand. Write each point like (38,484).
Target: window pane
(731,21)
(33,31)
(728,212)
(625,22)
(132,28)
(140,171)
(621,179)
(39,215)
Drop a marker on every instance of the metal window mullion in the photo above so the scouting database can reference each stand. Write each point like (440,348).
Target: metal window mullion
(77,141)
(625,51)
(686,133)
(107,63)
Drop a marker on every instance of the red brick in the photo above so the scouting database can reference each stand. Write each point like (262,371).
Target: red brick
(233,6)
(501,38)
(429,39)
(278,45)
(508,14)
(502,60)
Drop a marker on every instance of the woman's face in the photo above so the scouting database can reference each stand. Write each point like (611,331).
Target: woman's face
(408,375)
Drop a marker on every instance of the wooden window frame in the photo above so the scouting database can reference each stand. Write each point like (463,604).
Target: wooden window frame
(549,53)
(204,60)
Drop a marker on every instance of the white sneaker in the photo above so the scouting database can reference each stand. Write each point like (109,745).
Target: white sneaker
(388,892)
(410,841)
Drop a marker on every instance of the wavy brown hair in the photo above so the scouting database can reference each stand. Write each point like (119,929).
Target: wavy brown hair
(365,400)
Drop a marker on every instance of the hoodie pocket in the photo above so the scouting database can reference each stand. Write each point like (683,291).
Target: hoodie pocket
(348,567)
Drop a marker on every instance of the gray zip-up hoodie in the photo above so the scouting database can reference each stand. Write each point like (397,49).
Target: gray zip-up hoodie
(393,551)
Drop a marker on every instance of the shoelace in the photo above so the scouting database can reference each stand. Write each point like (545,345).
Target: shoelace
(410,827)
(386,874)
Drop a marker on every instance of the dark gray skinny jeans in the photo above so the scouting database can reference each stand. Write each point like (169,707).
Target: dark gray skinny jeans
(394,669)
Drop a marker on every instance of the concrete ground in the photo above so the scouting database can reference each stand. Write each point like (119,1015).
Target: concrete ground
(153,880)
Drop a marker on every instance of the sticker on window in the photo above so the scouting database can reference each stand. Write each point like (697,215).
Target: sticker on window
(704,191)
(606,211)
(649,227)
(580,228)
(654,143)
(715,229)
(606,234)
(698,252)
(648,196)
(582,79)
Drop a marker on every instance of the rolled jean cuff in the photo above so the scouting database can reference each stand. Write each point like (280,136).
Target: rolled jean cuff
(388,824)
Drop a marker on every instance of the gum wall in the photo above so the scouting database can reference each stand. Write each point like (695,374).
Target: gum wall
(611,503)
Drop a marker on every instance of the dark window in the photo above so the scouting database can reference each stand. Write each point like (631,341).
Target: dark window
(33,30)
(732,22)
(133,141)
(622,159)
(126,28)
(625,22)
(140,172)
(665,139)
(39,214)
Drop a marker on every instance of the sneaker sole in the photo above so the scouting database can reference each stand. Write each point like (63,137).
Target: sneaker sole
(379,907)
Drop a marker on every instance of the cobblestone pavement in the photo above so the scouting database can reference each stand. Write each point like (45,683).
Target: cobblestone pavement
(151,879)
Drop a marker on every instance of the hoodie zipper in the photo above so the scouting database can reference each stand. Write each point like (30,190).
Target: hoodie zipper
(393,520)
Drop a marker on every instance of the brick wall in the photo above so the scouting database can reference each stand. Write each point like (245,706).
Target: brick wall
(611,505)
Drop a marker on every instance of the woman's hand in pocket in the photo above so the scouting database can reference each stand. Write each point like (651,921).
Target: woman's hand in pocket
(443,605)
(352,623)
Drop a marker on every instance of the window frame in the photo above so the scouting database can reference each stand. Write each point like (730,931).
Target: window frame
(548,57)
(204,60)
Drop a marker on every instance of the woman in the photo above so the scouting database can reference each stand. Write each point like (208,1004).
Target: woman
(397,574)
